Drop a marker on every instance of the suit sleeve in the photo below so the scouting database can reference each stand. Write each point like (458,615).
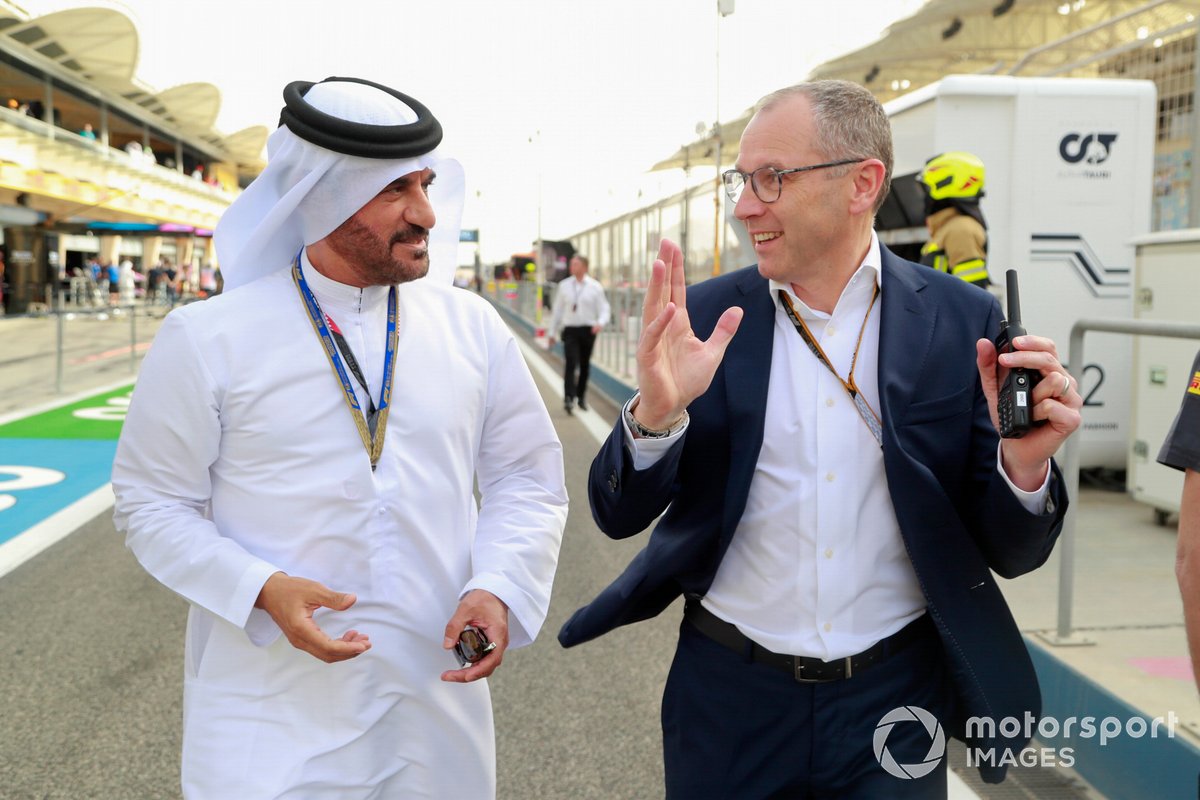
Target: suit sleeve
(626,500)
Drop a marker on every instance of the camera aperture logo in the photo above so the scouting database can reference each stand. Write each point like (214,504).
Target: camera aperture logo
(937,742)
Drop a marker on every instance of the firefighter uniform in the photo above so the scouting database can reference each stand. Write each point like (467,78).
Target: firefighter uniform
(953,185)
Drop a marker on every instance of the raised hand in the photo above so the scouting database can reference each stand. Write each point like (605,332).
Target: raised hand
(674,367)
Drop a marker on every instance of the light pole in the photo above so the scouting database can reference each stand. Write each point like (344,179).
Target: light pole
(724,9)
(539,275)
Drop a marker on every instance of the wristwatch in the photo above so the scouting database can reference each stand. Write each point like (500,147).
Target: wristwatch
(642,432)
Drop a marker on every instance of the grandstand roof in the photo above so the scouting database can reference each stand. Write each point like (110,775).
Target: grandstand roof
(98,46)
(1003,37)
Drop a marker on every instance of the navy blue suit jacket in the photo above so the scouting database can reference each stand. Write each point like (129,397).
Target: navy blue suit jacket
(958,518)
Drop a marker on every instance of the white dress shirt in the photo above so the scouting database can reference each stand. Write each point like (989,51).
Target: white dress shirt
(817,566)
(578,303)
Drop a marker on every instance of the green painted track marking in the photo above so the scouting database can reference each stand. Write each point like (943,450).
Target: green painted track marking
(97,417)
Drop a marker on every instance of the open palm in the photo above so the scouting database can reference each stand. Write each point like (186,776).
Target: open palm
(674,366)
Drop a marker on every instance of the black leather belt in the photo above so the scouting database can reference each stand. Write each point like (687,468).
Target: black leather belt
(804,669)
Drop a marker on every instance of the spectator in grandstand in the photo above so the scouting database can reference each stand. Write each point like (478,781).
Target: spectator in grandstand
(253,475)
(1181,451)
(87,132)
(580,312)
(833,492)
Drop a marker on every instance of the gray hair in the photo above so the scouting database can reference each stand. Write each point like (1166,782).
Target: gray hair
(850,123)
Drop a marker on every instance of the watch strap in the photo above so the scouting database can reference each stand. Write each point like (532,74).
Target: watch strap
(647,433)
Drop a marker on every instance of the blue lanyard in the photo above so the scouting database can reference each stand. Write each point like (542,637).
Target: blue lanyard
(372,440)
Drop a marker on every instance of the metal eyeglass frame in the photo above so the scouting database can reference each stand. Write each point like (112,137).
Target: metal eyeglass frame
(735,193)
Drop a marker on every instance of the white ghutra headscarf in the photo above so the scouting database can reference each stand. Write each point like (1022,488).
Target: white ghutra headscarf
(368,136)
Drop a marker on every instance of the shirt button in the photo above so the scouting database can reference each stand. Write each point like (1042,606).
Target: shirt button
(829,477)
(382,510)
(829,552)
(828,627)
(829,402)
(830,330)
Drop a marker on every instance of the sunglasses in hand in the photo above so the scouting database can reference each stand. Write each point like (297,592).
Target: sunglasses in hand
(472,646)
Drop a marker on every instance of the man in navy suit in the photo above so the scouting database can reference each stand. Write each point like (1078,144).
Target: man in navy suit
(834,495)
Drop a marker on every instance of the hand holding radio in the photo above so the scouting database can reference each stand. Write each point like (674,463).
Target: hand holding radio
(1014,404)
(1032,399)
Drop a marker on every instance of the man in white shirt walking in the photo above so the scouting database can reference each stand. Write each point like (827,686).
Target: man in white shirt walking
(581,311)
(300,461)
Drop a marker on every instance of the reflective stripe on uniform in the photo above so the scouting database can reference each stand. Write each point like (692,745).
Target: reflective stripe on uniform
(932,255)
(973,271)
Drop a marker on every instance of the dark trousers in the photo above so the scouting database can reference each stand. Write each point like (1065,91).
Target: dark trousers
(577,345)
(740,730)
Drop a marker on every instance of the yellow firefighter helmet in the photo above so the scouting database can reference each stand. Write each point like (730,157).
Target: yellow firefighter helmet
(956,175)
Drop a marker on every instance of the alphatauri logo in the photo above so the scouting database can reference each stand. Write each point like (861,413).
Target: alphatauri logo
(1091,148)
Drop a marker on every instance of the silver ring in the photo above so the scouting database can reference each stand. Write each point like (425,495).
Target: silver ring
(1066,385)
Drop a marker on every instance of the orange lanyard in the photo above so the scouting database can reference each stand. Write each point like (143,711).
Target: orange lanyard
(864,409)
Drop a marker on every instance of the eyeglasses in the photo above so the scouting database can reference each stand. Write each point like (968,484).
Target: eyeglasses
(767,182)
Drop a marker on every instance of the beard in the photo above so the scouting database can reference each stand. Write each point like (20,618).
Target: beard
(371,256)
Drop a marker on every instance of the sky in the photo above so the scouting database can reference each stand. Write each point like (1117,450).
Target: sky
(557,106)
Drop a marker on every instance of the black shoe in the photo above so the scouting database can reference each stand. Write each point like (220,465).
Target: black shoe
(568,406)
(582,405)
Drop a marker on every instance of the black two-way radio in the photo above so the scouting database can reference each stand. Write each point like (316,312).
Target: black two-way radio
(1015,400)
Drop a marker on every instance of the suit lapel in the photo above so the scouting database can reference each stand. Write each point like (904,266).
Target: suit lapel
(747,377)
(905,334)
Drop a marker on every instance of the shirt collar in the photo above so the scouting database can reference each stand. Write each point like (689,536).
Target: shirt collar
(862,282)
(334,295)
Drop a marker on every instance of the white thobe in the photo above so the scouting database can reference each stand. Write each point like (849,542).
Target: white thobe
(240,458)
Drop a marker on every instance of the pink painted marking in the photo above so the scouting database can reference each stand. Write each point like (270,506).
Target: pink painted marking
(1178,667)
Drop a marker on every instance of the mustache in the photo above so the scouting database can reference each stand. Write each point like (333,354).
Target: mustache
(410,235)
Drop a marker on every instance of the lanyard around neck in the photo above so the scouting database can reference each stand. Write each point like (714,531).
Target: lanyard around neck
(355,370)
(864,410)
(372,439)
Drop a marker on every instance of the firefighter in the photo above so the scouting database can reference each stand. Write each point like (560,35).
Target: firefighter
(953,184)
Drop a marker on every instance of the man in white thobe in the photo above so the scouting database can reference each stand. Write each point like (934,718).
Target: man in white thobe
(299,463)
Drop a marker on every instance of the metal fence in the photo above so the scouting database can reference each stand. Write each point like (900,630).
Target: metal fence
(616,346)
(72,349)
(1064,635)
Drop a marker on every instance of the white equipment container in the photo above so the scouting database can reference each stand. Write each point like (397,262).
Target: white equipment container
(1167,279)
